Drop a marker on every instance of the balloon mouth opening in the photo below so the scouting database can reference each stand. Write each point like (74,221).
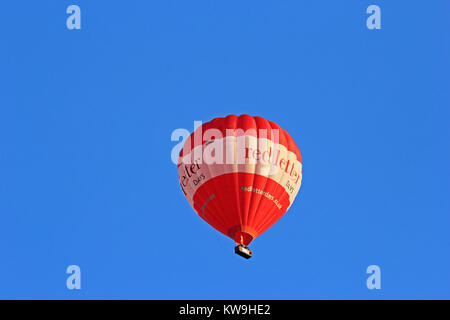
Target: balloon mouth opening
(242,237)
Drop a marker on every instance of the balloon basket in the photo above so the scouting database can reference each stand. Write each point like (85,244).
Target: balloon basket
(243,251)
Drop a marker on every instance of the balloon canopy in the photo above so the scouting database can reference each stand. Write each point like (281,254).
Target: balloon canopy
(240,174)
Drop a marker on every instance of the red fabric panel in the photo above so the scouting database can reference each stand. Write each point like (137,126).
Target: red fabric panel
(241,204)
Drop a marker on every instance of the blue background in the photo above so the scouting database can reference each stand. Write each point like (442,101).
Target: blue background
(86,118)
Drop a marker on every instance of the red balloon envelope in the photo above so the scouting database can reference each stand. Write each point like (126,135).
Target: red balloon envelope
(240,174)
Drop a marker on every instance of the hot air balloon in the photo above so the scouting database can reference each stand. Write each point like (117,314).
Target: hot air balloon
(240,174)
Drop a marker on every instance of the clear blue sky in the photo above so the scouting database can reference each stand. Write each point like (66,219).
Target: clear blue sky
(85,123)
